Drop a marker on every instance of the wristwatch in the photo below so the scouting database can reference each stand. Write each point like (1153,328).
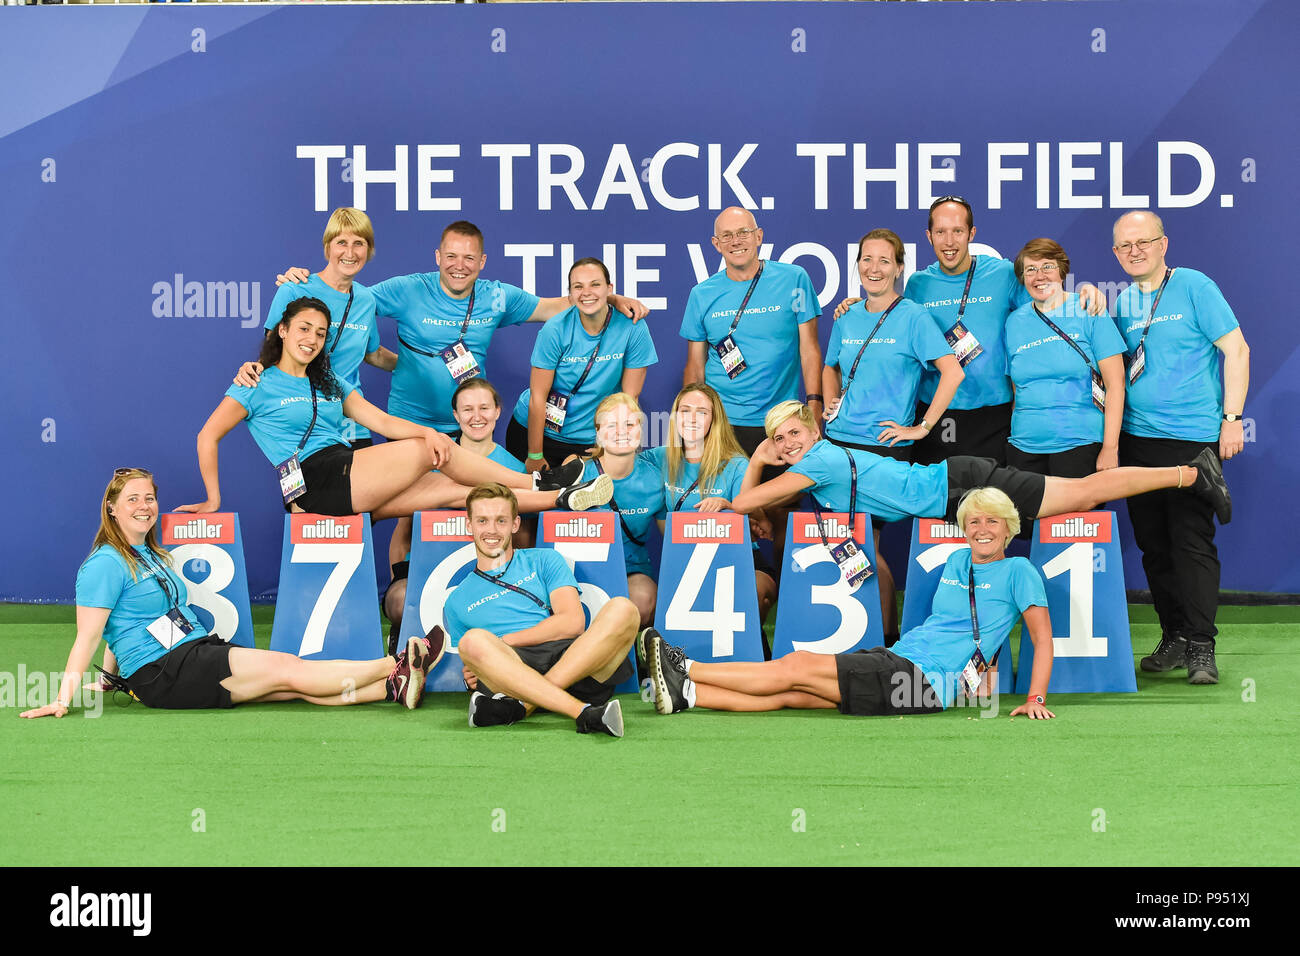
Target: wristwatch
(1230,417)
(1035,699)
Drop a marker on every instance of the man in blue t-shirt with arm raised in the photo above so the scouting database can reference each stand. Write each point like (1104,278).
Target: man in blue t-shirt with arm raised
(517,623)
(1176,323)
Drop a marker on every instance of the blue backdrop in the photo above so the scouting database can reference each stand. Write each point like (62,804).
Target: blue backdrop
(147,150)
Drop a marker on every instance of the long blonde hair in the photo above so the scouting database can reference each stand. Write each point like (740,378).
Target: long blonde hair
(110,533)
(720,445)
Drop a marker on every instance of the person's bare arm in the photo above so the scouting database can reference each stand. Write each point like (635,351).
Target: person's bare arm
(566,621)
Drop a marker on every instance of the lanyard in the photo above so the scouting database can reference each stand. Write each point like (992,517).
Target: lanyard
(596,351)
(164,580)
(965,293)
(1064,338)
(627,532)
(312,424)
(686,494)
(974,618)
(745,301)
(854,370)
(1154,302)
(853,500)
(469,311)
(497,580)
(342,322)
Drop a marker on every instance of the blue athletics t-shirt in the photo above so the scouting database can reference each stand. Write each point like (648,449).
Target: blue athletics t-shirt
(768,336)
(428,321)
(889,373)
(1180,395)
(279,411)
(500,611)
(943,644)
(1054,410)
(994,294)
(565,347)
(887,488)
(640,500)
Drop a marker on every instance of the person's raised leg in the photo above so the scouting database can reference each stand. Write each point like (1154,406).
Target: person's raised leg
(496,664)
(1064,495)
(600,649)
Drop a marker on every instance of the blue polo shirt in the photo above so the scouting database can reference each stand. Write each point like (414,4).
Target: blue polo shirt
(768,336)
(994,294)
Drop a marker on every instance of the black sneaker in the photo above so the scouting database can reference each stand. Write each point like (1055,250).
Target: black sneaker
(605,719)
(1210,484)
(643,648)
(673,689)
(1201,668)
(590,494)
(1169,654)
(562,476)
(495,711)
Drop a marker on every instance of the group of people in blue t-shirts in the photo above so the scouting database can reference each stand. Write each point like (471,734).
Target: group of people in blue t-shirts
(985,393)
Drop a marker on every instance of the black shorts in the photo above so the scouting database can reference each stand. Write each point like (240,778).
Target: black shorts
(328,475)
(188,677)
(1079,462)
(361,443)
(901,453)
(878,683)
(977,432)
(542,657)
(750,437)
(1024,488)
(553,450)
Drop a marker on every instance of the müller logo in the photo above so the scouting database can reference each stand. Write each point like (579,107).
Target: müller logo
(715,529)
(835,526)
(565,527)
(936,531)
(444,526)
(212,528)
(1090,526)
(316,528)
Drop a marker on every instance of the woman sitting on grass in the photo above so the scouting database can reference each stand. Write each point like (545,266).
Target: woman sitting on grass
(129,595)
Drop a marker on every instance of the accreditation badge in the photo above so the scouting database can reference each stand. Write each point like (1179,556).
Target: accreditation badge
(460,362)
(292,483)
(733,363)
(557,407)
(852,561)
(1098,391)
(963,343)
(170,629)
(972,674)
(1138,364)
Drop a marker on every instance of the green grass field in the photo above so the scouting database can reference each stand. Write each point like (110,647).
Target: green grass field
(1172,775)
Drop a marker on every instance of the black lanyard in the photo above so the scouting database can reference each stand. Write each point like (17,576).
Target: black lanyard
(854,370)
(596,351)
(164,580)
(965,293)
(1064,338)
(974,618)
(745,301)
(342,322)
(853,500)
(686,494)
(627,532)
(497,580)
(469,311)
(1154,303)
(312,424)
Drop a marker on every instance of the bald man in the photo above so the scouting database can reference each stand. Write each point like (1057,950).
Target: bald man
(743,325)
(1176,322)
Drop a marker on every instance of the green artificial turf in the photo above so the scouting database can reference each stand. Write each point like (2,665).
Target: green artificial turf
(1172,775)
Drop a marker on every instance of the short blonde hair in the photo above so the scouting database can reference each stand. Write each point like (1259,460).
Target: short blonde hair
(991,502)
(347,219)
(490,492)
(779,413)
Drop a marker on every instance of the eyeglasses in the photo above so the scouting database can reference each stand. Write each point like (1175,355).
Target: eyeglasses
(1047,268)
(1124,248)
(741,234)
(943,199)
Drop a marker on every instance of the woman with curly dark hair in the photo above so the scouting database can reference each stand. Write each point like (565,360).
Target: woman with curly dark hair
(296,417)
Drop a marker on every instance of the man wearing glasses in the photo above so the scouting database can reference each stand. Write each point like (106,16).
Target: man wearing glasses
(744,324)
(1173,321)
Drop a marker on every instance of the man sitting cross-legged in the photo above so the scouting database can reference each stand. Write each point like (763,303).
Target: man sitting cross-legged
(520,628)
